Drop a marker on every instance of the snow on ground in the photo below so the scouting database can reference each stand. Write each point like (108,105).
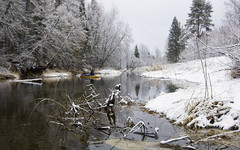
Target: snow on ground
(188,106)
(56,74)
(109,73)
(142,69)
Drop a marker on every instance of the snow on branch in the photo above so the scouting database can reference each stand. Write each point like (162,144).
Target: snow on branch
(176,139)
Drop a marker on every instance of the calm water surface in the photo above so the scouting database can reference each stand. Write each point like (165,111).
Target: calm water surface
(18,131)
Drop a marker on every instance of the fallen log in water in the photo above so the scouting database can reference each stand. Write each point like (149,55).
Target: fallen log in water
(37,81)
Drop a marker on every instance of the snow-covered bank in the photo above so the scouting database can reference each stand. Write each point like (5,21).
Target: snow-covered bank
(109,73)
(56,74)
(140,70)
(188,106)
(106,73)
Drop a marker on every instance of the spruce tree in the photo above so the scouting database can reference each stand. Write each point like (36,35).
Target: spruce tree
(136,52)
(175,46)
(207,17)
(199,21)
(199,24)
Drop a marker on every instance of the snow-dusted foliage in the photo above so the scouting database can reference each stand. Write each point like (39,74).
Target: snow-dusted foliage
(223,40)
(12,30)
(106,35)
(198,27)
(11,25)
(199,22)
(50,33)
(233,34)
(145,57)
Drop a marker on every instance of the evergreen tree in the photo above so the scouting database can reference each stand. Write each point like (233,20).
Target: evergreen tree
(199,21)
(175,46)
(207,17)
(136,52)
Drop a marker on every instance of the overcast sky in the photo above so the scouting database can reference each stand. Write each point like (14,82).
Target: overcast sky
(150,20)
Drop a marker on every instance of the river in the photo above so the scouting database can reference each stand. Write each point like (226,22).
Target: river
(23,128)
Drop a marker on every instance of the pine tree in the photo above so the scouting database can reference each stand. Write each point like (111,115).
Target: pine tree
(207,17)
(199,24)
(175,46)
(199,21)
(136,52)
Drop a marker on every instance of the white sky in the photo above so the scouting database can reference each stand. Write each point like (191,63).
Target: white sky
(150,20)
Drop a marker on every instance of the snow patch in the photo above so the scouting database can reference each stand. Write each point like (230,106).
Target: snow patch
(110,73)
(53,74)
(188,106)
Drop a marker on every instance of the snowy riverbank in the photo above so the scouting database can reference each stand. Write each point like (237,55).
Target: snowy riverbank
(187,105)
(109,73)
(56,74)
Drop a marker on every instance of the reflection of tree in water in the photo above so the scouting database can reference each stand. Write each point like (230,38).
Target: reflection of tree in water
(111,116)
(137,88)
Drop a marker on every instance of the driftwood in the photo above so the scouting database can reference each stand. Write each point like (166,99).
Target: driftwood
(176,139)
(29,80)
(37,81)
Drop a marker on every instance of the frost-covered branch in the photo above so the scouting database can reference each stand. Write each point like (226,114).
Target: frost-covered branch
(176,139)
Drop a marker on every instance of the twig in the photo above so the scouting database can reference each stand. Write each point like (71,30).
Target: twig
(47,99)
(138,126)
(74,106)
(92,111)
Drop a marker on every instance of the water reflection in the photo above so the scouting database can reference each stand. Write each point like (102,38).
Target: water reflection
(137,87)
(17,101)
(111,117)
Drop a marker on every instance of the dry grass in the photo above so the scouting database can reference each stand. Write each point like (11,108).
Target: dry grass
(154,67)
(212,109)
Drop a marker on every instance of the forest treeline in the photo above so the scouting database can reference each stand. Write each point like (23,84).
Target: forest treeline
(70,35)
(62,34)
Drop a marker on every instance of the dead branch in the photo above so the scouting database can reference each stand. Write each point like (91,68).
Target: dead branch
(80,114)
(176,140)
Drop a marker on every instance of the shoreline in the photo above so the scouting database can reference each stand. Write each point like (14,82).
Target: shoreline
(187,106)
(51,74)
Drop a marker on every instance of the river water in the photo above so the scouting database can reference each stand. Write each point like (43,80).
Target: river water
(20,130)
